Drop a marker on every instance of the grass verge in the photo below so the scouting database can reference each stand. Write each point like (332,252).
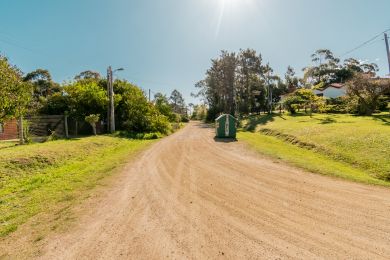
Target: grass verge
(347,146)
(35,178)
(306,159)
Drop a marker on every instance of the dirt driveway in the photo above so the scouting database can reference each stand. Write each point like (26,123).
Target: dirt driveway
(190,197)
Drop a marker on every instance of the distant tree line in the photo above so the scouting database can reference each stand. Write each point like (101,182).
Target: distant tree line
(241,84)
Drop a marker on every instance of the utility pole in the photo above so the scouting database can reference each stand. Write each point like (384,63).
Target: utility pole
(108,95)
(149,95)
(111,113)
(387,50)
(269,93)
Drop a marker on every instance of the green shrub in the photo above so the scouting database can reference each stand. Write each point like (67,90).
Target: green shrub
(92,120)
(140,136)
(151,136)
(291,103)
(335,105)
(383,103)
(185,119)
(136,114)
(175,118)
(52,137)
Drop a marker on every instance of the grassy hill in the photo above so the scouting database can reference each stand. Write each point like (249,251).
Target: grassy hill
(359,145)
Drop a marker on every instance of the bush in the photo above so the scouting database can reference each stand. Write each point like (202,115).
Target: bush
(303,98)
(200,113)
(210,115)
(291,103)
(151,136)
(366,93)
(383,103)
(139,136)
(52,137)
(92,120)
(136,114)
(175,118)
(185,119)
(335,105)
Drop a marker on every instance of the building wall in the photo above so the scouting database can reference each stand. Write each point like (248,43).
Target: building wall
(331,92)
(334,92)
(9,130)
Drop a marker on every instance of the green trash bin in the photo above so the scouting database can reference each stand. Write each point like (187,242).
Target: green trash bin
(225,126)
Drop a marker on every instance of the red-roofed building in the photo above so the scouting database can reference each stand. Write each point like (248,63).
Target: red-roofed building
(333,90)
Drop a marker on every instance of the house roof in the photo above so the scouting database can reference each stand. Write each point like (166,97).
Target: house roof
(332,85)
(335,85)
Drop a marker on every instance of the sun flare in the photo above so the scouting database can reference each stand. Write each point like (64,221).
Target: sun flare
(233,3)
(230,7)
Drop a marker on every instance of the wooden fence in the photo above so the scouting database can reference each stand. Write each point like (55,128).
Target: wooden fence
(45,125)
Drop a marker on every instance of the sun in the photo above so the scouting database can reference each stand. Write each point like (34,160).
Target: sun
(229,3)
(230,8)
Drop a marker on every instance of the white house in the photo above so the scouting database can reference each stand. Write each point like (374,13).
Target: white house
(333,90)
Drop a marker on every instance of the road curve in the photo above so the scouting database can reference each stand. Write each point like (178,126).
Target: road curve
(190,197)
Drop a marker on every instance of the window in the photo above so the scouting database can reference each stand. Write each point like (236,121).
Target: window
(1,128)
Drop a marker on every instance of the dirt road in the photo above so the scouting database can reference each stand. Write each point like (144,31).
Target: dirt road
(189,197)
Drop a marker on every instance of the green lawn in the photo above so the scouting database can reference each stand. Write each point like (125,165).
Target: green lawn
(34,178)
(362,144)
(6,144)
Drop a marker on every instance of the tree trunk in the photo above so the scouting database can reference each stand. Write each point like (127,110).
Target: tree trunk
(94,128)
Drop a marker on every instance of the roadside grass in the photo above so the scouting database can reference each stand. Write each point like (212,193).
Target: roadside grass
(7,144)
(347,146)
(35,178)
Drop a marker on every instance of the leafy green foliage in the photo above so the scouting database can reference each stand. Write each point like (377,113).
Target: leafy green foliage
(88,75)
(241,84)
(85,98)
(365,92)
(337,105)
(162,104)
(43,88)
(135,113)
(92,120)
(177,102)
(15,95)
(56,104)
(327,69)
(291,103)
(302,97)
(199,113)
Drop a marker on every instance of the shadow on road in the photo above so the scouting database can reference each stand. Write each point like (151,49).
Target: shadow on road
(225,140)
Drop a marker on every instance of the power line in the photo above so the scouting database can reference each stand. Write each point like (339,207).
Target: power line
(365,43)
(18,46)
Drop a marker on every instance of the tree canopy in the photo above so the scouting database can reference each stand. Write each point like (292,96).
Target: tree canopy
(15,94)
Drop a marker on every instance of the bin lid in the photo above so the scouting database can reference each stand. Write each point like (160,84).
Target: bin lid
(224,115)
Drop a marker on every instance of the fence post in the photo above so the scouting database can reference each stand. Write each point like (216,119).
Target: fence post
(21,137)
(66,125)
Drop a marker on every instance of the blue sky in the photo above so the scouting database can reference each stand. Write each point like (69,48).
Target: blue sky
(168,44)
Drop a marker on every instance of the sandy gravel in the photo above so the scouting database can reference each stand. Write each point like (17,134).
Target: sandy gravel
(189,197)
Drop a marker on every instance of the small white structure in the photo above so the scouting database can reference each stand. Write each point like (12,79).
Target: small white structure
(333,90)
